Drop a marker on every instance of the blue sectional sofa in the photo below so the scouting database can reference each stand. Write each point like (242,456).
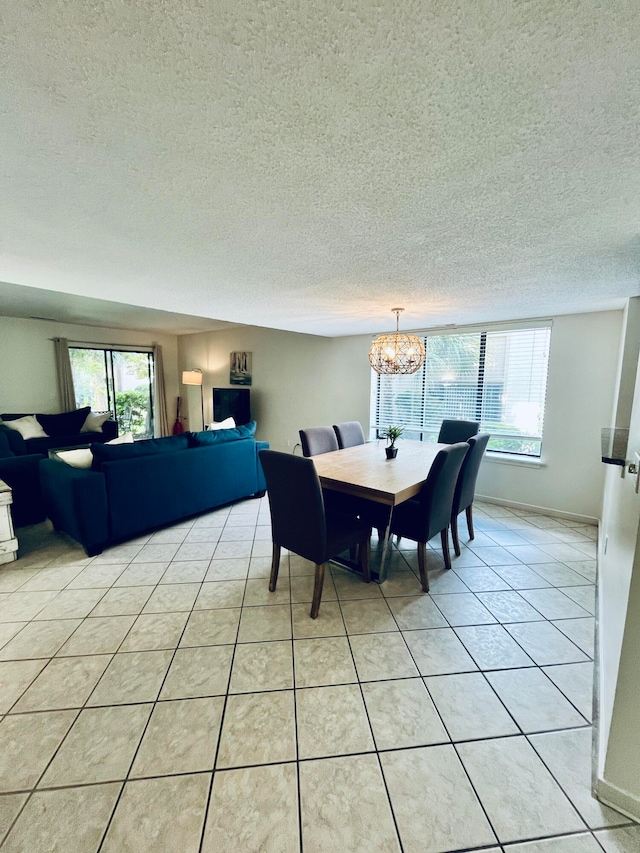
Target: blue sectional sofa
(20,458)
(133,488)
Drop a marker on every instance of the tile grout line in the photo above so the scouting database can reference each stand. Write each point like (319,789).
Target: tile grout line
(372,733)
(153,703)
(295,715)
(205,814)
(451,740)
(144,730)
(79,711)
(34,789)
(339,601)
(561,786)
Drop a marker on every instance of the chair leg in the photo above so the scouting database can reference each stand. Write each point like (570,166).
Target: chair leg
(444,535)
(317,590)
(275,566)
(469,515)
(422,565)
(454,535)
(363,560)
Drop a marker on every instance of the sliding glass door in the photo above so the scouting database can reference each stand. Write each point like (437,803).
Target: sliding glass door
(118,381)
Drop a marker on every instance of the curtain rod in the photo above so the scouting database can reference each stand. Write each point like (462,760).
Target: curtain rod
(108,345)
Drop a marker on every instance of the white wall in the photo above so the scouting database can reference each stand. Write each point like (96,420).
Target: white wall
(305,380)
(618,529)
(581,387)
(28,381)
(298,380)
(618,777)
(620,782)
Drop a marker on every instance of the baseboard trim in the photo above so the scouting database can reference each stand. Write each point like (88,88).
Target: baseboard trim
(618,799)
(558,513)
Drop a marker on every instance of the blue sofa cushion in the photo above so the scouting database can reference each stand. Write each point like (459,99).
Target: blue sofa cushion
(221,436)
(152,447)
(152,491)
(66,423)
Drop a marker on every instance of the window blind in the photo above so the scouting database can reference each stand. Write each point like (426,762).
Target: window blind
(497,377)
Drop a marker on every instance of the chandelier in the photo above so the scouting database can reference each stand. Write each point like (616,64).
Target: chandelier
(396,353)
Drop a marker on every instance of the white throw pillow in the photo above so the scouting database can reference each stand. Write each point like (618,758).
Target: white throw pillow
(28,427)
(94,421)
(80,458)
(127,438)
(227,423)
(83,457)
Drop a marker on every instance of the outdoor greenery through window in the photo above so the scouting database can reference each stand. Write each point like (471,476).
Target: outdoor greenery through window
(496,377)
(119,381)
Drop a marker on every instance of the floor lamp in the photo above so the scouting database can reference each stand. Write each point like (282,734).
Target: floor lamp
(194,377)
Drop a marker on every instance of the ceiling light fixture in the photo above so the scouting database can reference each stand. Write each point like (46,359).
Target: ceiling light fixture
(395,352)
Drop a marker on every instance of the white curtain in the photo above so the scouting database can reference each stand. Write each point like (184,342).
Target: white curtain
(66,390)
(161,419)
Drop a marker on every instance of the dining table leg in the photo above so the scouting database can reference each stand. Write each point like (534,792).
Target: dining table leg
(386,550)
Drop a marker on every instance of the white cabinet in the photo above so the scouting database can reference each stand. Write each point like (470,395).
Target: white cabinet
(8,541)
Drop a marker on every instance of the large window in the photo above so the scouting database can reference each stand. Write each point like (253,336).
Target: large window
(119,381)
(496,377)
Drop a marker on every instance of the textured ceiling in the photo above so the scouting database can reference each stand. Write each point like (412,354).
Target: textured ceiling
(308,166)
(34,303)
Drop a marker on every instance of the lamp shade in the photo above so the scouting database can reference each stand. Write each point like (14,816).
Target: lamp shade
(192,377)
(396,352)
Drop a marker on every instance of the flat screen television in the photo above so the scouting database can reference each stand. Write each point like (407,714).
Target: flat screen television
(232,403)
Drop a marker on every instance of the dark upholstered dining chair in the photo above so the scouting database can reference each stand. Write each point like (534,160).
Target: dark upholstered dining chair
(323,439)
(300,522)
(429,512)
(452,431)
(349,434)
(317,440)
(466,486)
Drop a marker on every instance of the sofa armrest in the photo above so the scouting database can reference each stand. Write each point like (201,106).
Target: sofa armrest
(76,502)
(22,474)
(110,430)
(15,440)
(12,466)
(5,448)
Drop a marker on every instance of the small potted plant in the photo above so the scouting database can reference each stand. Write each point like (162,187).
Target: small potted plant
(391,434)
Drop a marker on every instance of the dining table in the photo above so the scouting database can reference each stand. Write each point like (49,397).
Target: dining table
(363,471)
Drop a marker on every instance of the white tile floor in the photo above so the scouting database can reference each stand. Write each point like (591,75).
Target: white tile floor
(159,698)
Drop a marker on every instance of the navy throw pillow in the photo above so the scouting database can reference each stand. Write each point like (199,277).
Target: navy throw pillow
(221,436)
(66,423)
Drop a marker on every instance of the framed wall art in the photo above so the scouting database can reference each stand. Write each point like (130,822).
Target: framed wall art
(240,368)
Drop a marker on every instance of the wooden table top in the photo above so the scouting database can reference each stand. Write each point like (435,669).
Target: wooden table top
(365,471)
